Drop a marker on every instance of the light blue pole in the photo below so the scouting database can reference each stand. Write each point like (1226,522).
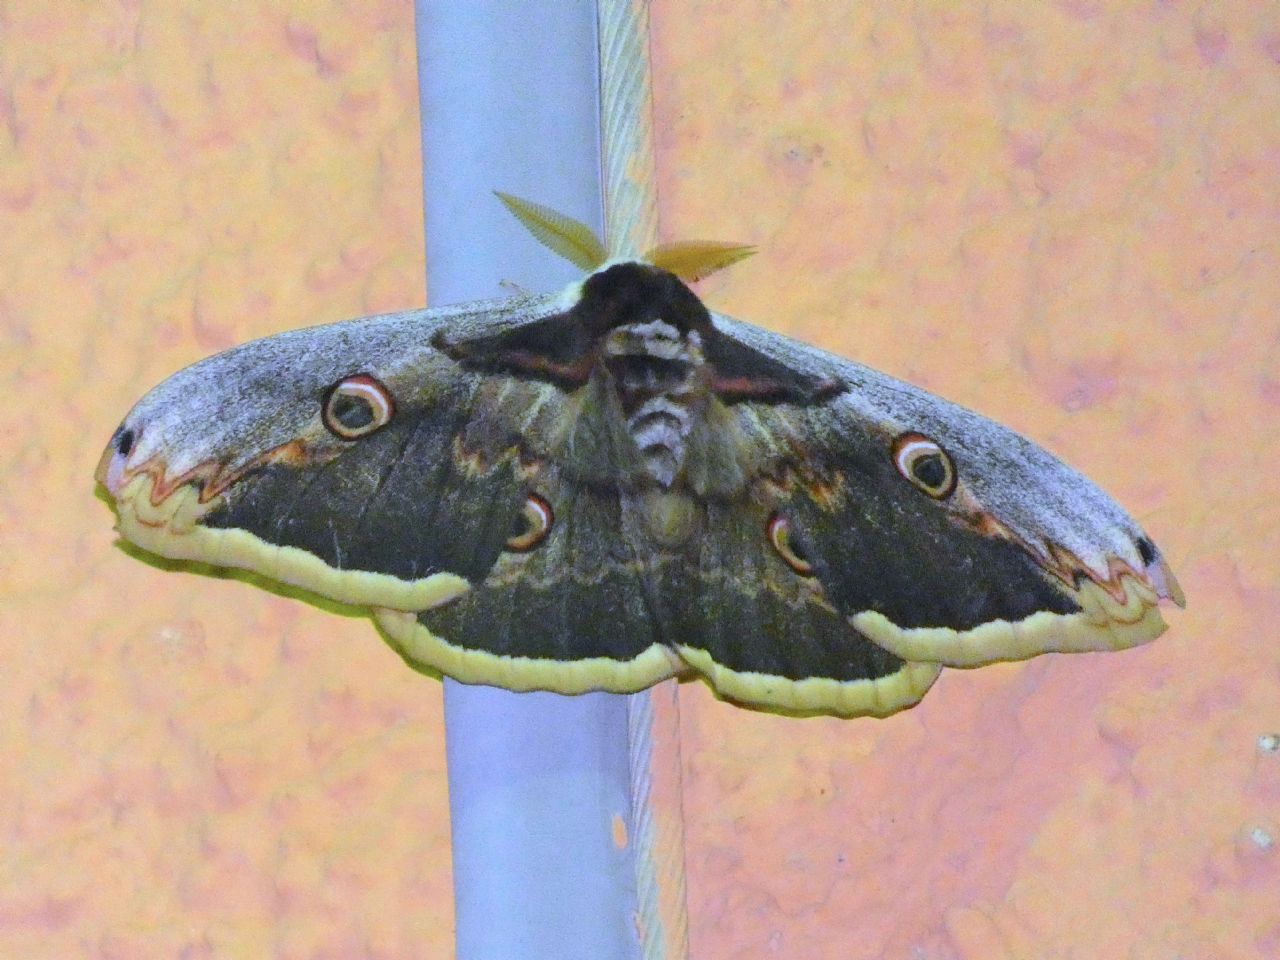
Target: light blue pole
(509,95)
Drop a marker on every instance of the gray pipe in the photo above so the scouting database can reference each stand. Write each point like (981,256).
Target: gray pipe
(509,94)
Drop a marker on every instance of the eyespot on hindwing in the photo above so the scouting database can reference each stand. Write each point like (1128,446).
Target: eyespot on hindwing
(532,524)
(783,540)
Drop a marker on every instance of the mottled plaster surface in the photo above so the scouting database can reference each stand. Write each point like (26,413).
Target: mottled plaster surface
(191,767)
(1064,214)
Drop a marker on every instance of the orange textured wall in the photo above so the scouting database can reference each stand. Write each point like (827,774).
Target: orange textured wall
(192,767)
(1063,214)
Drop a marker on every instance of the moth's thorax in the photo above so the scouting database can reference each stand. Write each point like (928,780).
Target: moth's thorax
(655,369)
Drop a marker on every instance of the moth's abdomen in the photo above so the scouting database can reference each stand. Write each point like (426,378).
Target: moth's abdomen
(654,370)
(660,428)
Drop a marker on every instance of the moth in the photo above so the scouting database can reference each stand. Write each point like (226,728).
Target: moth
(612,485)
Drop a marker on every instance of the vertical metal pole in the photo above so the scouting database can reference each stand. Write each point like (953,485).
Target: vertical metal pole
(539,784)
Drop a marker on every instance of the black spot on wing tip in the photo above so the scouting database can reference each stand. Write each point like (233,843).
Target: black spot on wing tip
(1147,550)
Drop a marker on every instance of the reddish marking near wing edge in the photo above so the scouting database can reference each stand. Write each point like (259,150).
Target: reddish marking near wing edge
(762,388)
(1065,566)
(211,477)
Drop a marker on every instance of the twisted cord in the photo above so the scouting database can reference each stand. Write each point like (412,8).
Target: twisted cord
(626,127)
(631,227)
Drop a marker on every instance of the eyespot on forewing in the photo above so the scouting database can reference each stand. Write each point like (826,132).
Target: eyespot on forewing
(356,406)
(924,463)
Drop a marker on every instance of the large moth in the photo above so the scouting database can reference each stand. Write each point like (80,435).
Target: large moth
(609,486)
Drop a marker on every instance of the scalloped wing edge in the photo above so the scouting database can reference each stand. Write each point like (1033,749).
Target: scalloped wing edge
(171,528)
(422,649)
(1103,623)
(874,697)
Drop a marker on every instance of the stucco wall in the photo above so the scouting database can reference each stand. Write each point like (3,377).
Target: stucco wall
(1063,214)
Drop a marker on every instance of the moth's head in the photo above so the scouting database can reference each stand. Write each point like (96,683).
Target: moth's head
(628,292)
